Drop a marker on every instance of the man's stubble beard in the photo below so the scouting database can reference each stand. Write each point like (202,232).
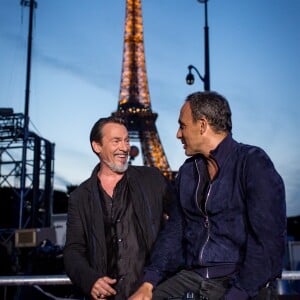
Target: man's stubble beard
(116,168)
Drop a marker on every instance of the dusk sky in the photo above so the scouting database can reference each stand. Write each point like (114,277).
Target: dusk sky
(76,71)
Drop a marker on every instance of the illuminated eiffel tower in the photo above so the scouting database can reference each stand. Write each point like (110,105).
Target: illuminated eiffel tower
(134,100)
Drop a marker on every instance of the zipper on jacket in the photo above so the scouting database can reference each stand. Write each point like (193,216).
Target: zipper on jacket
(197,189)
(206,225)
(204,213)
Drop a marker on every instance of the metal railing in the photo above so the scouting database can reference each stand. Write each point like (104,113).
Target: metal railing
(36,280)
(65,280)
(290,275)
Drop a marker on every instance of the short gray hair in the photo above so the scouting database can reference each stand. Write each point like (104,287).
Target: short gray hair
(214,107)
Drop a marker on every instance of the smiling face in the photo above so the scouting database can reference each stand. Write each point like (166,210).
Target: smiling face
(114,147)
(190,131)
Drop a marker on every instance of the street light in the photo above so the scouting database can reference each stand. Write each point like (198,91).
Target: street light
(190,77)
(206,78)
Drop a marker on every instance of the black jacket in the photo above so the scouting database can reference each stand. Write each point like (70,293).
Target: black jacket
(85,249)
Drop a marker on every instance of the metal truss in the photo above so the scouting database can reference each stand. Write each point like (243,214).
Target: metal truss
(29,206)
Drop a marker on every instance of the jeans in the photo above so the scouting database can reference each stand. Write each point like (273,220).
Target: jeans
(267,293)
(187,281)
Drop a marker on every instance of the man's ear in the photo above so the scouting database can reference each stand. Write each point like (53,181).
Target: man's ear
(203,125)
(96,147)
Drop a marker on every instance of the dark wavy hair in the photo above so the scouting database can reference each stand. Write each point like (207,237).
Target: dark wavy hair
(96,131)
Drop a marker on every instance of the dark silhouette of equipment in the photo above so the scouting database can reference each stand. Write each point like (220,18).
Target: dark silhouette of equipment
(26,164)
(134,100)
(35,206)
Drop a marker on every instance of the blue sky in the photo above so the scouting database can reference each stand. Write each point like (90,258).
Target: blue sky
(76,69)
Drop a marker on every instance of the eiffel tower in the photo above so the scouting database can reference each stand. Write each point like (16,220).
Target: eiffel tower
(134,99)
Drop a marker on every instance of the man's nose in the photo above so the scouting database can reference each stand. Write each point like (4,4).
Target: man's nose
(124,146)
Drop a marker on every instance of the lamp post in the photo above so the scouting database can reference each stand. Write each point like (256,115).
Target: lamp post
(206,78)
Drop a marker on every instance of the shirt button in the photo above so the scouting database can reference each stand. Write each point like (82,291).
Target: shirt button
(120,240)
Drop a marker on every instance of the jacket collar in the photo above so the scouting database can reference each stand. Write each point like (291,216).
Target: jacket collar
(221,153)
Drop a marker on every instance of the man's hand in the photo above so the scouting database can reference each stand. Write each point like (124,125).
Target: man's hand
(143,293)
(102,288)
